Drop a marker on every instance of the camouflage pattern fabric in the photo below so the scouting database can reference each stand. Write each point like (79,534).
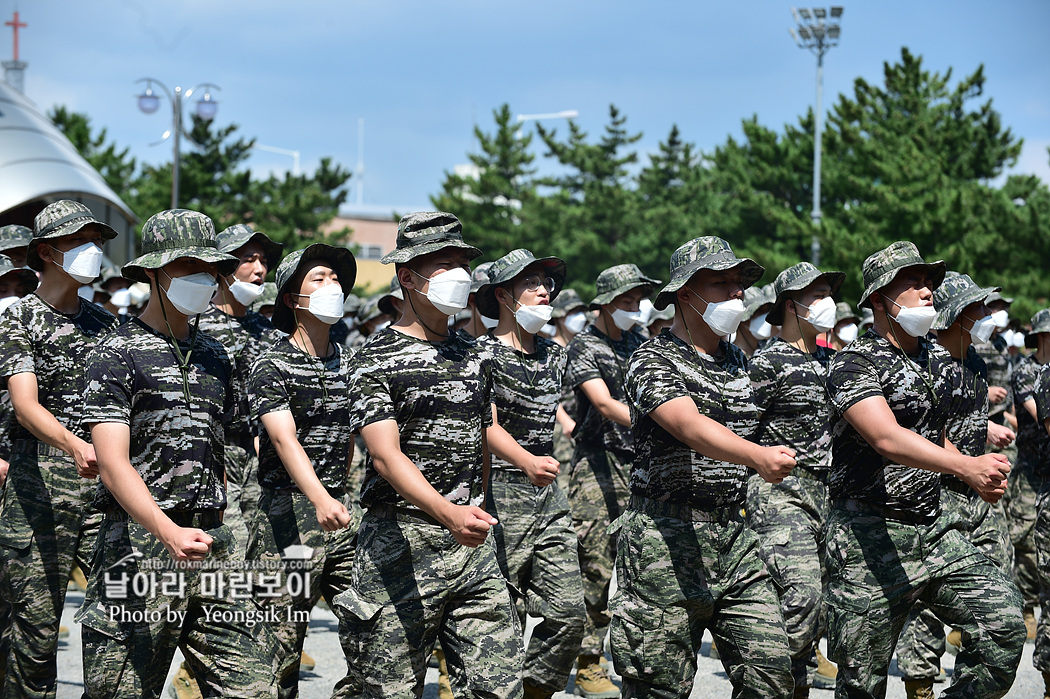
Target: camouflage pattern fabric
(133,378)
(617,280)
(678,577)
(918,390)
(535,541)
(997,359)
(440,396)
(880,268)
(289,520)
(414,586)
(46,522)
(14,236)
(424,232)
(526,389)
(127,652)
(169,235)
(1041,535)
(62,218)
(314,390)
(1027,479)
(665,469)
(879,568)
(788,388)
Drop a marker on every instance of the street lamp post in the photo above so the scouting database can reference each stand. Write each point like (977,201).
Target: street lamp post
(564,114)
(817,30)
(207,107)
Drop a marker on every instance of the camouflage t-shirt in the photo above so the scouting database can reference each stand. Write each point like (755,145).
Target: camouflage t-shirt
(315,392)
(245,338)
(440,396)
(594,355)
(788,388)
(1033,442)
(919,392)
(997,359)
(1042,405)
(967,426)
(664,468)
(133,378)
(526,389)
(37,339)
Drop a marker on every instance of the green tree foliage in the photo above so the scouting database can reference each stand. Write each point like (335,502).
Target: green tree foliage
(115,166)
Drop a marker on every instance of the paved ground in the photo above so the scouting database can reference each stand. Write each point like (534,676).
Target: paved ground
(323,644)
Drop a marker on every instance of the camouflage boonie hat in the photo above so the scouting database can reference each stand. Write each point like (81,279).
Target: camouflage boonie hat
(567,301)
(997,296)
(619,280)
(881,268)
(510,266)
(705,252)
(351,304)
(268,297)
(867,317)
(176,233)
(369,310)
(63,217)
(427,231)
(844,311)
(755,297)
(479,277)
(665,314)
(1040,322)
(386,301)
(796,278)
(340,260)
(26,275)
(240,234)
(953,296)
(15,236)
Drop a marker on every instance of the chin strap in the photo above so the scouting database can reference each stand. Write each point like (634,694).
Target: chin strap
(183,360)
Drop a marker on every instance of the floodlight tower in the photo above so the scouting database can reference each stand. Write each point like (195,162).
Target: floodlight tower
(817,30)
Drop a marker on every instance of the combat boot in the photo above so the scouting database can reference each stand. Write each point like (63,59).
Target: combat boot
(184,685)
(306,662)
(1029,622)
(444,686)
(826,676)
(592,680)
(534,692)
(918,689)
(954,641)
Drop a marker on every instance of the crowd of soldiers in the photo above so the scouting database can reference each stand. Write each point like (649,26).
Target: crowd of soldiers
(218,454)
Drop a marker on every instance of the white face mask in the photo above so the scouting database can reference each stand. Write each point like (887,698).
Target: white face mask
(350,323)
(1018,341)
(576,322)
(382,326)
(489,323)
(548,330)
(1001,319)
(6,302)
(646,308)
(138,294)
(760,327)
(625,320)
(245,292)
(722,317)
(982,329)
(192,293)
(915,321)
(86,293)
(83,263)
(821,314)
(848,333)
(121,298)
(326,303)
(448,291)
(532,318)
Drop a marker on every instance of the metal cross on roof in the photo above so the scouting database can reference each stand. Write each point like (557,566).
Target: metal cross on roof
(15,25)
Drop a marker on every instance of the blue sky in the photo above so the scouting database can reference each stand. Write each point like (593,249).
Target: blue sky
(300,75)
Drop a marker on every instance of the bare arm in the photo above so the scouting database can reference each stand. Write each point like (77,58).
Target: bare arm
(1029,405)
(470,525)
(607,406)
(999,435)
(127,486)
(568,425)
(680,417)
(541,470)
(876,423)
(280,426)
(25,399)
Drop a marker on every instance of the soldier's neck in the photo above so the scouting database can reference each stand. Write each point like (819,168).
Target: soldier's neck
(607,327)
(59,290)
(226,302)
(312,337)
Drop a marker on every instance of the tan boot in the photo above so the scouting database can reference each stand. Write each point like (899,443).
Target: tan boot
(592,680)
(954,641)
(444,686)
(184,685)
(534,692)
(306,662)
(827,674)
(918,689)
(1029,622)
(79,579)
(63,631)
(713,653)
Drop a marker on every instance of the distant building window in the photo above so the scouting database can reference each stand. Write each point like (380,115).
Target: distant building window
(371,252)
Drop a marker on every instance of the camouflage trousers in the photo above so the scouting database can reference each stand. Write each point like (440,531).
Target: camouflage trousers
(1020,504)
(537,552)
(677,577)
(598,494)
(1042,538)
(140,606)
(413,586)
(788,518)
(921,643)
(879,568)
(47,525)
(242,491)
(322,569)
